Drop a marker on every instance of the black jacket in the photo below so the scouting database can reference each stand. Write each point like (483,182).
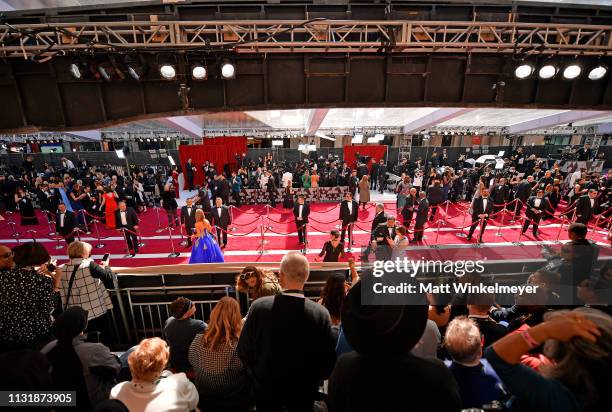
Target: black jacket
(435,195)
(523,191)
(500,194)
(544,206)
(378,219)
(381,233)
(130,217)
(345,216)
(68,223)
(222,220)
(583,207)
(479,209)
(305,213)
(422,211)
(188,219)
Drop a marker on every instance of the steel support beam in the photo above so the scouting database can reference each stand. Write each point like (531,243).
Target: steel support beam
(87,134)
(183,124)
(311,36)
(433,119)
(569,116)
(316,118)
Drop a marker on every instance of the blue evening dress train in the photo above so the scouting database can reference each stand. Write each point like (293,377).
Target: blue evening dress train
(206,250)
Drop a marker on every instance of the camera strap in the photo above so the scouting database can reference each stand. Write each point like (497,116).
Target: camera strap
(70,285)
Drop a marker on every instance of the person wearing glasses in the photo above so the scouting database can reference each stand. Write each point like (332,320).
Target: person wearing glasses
(257,283)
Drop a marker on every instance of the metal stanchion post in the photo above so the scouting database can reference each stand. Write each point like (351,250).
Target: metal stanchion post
(174,252)
(461,234)
(127,245)
(78,233)
(503,214)
(438,229)
(159,228)
(99,245)
(231,210)
(183,241)
(445,213)
(515,201)
(14,233)
(268,216)
(51,228)
(561,227)
(521,232)
(58,245)
(262,231)
(31,232)
(84,217)
(139,236)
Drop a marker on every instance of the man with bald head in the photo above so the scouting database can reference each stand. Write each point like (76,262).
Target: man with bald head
(286,343)
(6,258)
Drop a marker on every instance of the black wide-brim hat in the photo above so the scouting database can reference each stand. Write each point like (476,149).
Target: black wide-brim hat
(381,329)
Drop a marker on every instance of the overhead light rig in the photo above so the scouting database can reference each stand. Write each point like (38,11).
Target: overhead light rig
(43,41)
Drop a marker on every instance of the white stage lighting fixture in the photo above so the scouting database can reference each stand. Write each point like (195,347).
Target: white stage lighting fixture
(523,71)
(167,71)
(75,71)
(597,73)
(547,72)
(228,70)
(199,72)
(572,71)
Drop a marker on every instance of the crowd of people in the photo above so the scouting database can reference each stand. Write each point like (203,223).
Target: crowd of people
(288,352)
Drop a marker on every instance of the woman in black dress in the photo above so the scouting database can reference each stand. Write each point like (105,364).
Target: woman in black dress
(26,209)
(288,201)
(332,249)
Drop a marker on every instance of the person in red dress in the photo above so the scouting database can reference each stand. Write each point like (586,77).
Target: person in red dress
(109,202)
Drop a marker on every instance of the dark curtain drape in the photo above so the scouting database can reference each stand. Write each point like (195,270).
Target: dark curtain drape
(374,151)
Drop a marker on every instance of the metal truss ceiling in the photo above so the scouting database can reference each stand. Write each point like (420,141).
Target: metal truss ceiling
(319,36)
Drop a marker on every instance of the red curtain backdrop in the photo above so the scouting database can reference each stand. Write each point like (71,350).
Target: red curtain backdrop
(375,151)
(218,150)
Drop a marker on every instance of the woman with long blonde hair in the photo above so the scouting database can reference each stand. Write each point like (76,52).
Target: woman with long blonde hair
(205,248)
(221,378)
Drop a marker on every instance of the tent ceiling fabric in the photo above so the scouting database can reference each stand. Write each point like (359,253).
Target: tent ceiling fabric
(271,120)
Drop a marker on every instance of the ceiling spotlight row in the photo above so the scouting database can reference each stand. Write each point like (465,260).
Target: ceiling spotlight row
(570,72)
(199,71)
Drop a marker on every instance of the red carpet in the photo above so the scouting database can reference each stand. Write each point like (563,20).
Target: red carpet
(244,244)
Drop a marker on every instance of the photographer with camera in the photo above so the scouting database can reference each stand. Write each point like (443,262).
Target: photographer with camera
(84,283)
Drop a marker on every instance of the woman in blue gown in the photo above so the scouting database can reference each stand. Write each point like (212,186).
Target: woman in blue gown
(205,248)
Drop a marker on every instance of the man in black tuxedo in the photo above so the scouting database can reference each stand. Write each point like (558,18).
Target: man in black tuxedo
(301,211)
(435,197)
(353,182)
(382,176)
(221,219)
(523,193)
(65,223)
(224,189)
(203,201)
(585,153)
(188,219)
(585,207)
(126,217)
(379,218)
(271,189)
(500,195)
(348,216)
(482,207)
(536,207)
(384,234)
(422,211)
(189,174)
